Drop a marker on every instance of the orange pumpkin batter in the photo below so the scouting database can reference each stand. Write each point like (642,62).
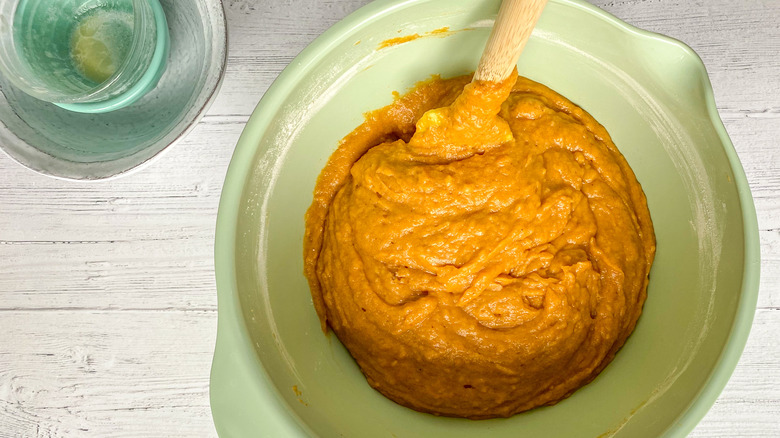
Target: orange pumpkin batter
(481,259)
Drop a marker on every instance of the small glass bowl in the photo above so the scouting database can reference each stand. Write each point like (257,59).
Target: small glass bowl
(72,145)
(36,49)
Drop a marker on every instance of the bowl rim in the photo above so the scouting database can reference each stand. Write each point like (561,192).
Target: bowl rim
(232,331)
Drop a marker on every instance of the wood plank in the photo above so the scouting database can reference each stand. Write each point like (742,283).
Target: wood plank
(153,274)
(769,290)
(175,197)
(106,373)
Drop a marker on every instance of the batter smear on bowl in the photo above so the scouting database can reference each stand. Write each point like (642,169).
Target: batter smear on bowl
(480,248)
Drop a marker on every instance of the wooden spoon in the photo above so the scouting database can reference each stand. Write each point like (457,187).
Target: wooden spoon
(516,19)
(471,122)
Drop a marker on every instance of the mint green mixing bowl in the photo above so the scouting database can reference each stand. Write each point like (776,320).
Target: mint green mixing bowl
(275,374)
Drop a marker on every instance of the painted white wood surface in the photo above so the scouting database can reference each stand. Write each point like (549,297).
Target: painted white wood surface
(107,294)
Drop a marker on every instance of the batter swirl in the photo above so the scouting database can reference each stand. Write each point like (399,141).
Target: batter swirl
(480,249)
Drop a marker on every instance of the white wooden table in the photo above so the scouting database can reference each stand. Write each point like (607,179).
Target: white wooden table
(107,294)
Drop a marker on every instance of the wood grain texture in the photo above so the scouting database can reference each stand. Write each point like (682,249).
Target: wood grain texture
(105,373)
(107,295)
(514,23)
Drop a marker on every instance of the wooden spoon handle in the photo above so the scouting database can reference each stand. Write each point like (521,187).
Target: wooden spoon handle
(516,19)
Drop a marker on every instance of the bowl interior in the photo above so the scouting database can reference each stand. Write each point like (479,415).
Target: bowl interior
(67,144)
(652,95)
